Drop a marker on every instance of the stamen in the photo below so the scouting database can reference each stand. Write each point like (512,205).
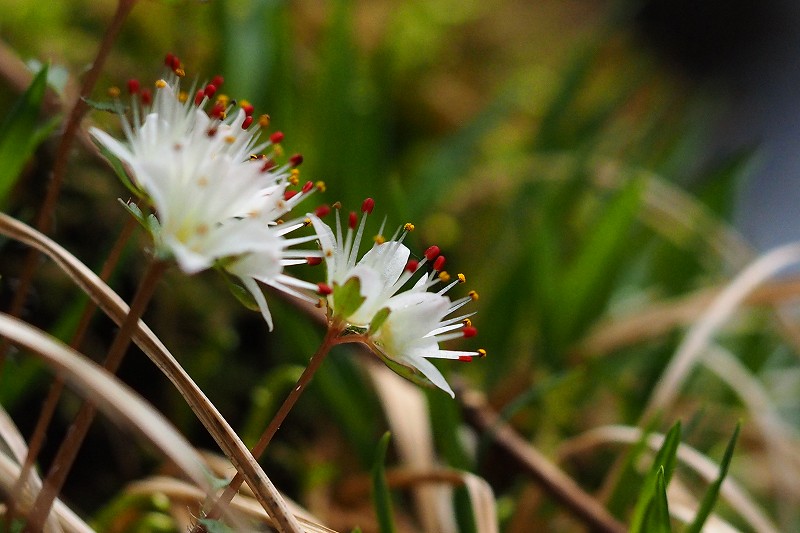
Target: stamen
(379,239)
(210,90)
(408,226)
(432,253)
(481,353)
(133,86)
(320,185)
(276,137)
(246,122)
(465,358)
(337,205)
(473,295)
(263,121)
(313,261)
(322,210)
(462,278)
(352,220)
(438,265)
(412,265)
(114,92)
(247,107)
(367,206)
(467,322)
(198,97)
(183,96)
(287,195)
(444,276)
(307,187)
(147,97)
(296,160)
(217,81)
(470,331)
(324,289)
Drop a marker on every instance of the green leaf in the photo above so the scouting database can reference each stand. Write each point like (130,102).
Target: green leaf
(119,169)
(20,134)
(712,493)
(244,296)
(381,496)
(114,107)
(663,464)
(657,518)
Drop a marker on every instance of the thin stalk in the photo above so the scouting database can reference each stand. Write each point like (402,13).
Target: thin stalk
(49,406)
(44,218)
(68,450)
(331,339)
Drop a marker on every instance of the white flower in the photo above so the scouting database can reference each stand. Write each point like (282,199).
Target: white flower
(402,323)
(413,323)
(381,272)
(215,196)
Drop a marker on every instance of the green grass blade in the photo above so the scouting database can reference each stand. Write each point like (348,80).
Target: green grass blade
(20,133)
(657,518)
(381,496)
(663,464)
(712,493)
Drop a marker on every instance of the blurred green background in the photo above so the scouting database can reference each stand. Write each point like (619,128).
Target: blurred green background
(557,157)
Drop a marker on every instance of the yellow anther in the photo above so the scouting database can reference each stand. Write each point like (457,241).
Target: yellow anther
(293,179)
(183,96)
(295,172)
(408,226)
(306,221)
(337,205)
(444,276)
(462,278)
(481,353)
(467,322)
(244,103)
(329,253)
(160,84)
(279,221)
(320,185)
(113,92)
(473,295)
(230,139)
(224,100)
(379,239)
(278,149)
(254,157)
(180,72)
(263,121)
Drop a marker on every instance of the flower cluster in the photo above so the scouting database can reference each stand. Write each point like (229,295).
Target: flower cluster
(215,187)
(402,321)
(217,191)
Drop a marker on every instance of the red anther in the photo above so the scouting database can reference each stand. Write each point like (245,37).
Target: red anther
(296,160)
(248,109)
(438,265)
(217,81)
(133,86)
(276,137)
(289,194)
(217,111)
(352,220)
(269,164)
(322,210)
(324,289)
(469,331)
(211,132)
(173,62)
(146,96)
(210,90)
(412,265)
(465,358)
(432,253)
(313,261)
(307,187)
(198,98)
(367,206)
(246,122)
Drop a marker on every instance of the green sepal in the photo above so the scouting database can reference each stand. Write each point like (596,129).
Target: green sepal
(244,296)
(378,320)
(136,213)
(404,371)
(215,526)
(347,298)
(119,169)
(114,107)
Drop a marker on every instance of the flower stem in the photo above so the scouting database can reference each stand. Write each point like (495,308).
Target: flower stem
(331,339)
(54,394)
(68,450)
(45,216)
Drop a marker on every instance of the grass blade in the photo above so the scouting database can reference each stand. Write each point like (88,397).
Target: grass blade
(663,465)
(381,496)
